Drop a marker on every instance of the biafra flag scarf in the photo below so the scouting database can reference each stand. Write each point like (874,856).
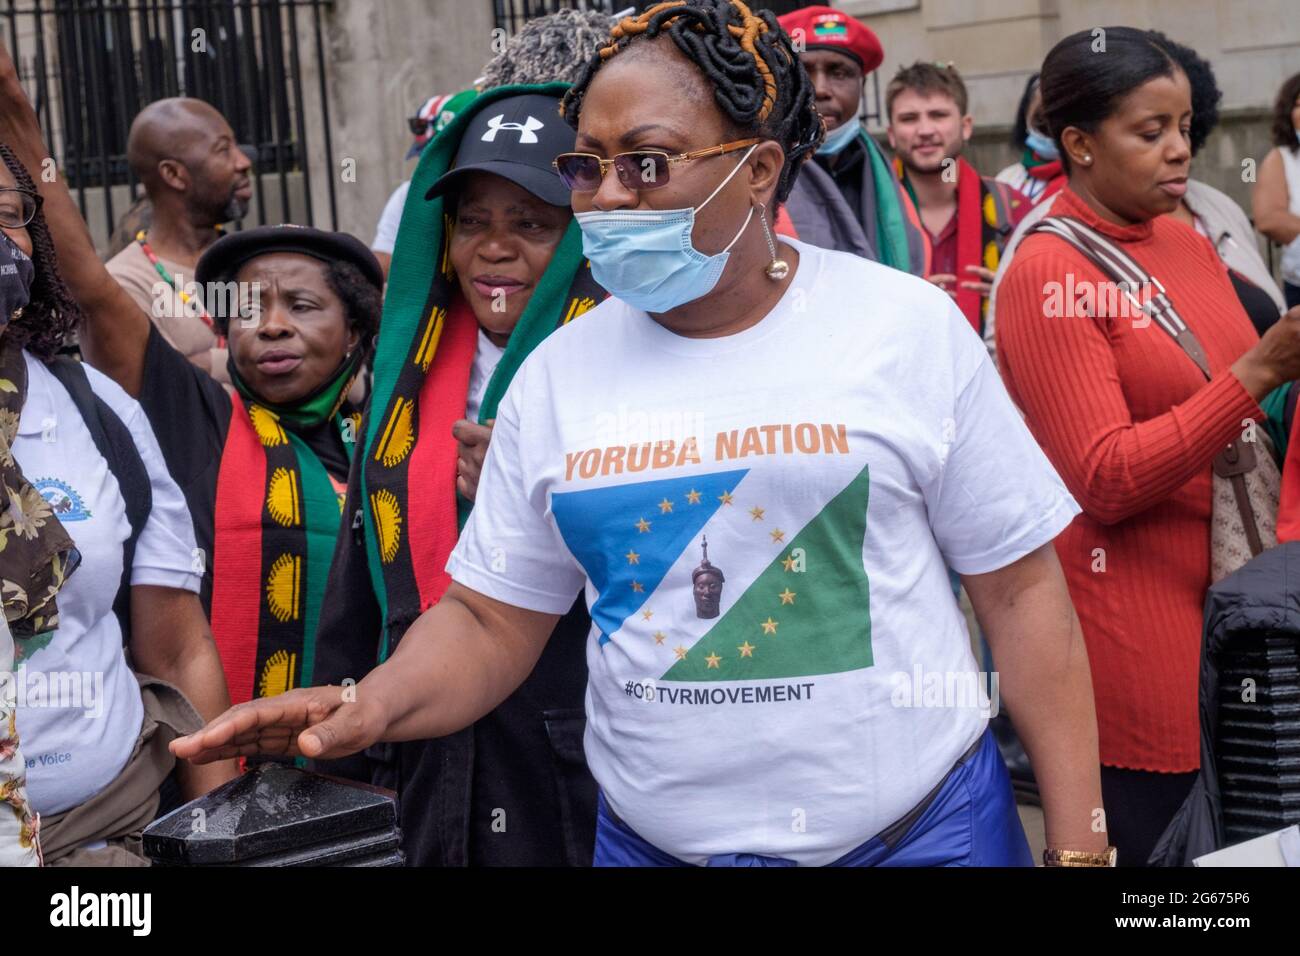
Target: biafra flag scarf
(900,237)
(277,519)
(411,513)
(986,216)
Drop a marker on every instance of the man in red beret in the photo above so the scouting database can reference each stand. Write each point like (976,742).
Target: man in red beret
(848,198)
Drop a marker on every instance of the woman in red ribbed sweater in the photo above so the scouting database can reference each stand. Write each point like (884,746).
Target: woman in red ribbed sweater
(1129,421)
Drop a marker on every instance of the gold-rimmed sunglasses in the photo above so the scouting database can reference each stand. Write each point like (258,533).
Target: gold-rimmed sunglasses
(638,169)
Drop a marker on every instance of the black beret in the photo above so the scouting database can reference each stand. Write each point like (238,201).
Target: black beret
(223,259)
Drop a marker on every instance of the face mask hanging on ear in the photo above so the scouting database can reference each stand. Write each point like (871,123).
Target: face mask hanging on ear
(646,257)
(16,274)
(1042,145)
(838,138)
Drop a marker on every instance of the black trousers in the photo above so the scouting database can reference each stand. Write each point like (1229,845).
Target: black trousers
(1139,805)
(513,789)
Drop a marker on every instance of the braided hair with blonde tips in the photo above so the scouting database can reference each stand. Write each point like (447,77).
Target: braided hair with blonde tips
(51,314)
(756,76)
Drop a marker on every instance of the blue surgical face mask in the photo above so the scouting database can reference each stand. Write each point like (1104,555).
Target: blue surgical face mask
(1042,145)
(646,258)
(838,138)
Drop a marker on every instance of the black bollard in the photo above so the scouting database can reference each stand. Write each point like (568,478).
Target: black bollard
(1258,751)
(277,815)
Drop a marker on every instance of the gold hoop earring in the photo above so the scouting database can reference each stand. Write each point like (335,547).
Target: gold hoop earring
(777,269)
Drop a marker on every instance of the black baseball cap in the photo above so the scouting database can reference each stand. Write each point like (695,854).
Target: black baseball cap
(221,261)
(516,138)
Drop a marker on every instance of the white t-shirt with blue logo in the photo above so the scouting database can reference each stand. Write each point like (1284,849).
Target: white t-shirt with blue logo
(777,694)
(83,710)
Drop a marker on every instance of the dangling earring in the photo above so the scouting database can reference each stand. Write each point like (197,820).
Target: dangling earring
(777,269)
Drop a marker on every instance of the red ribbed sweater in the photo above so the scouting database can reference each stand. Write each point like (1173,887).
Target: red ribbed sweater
(1132,427)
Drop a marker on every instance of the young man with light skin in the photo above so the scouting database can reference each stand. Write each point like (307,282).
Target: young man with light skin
(928,131)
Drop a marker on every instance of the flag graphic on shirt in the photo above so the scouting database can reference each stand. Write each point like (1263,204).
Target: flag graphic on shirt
(806,612)
(628,536)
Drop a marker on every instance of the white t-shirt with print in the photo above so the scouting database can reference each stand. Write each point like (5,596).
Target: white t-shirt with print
(487,356)
(838,457)
(77,748)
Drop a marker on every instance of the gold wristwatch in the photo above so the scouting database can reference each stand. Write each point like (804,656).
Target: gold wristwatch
(1079,857)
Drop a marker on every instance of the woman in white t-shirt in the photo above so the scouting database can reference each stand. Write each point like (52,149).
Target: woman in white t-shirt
(1276,198)
(94,732)
(778,672)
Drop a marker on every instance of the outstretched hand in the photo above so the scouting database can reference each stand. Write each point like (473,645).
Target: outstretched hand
(315,722)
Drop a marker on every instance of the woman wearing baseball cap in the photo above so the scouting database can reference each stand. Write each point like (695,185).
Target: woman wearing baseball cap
(488,263)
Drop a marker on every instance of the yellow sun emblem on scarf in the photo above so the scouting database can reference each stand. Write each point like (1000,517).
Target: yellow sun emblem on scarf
(429,340)
(283,586)
(267,427)
(398,435)
(277,674)
(991,257)
(388,523)
(283,500)
(578,307)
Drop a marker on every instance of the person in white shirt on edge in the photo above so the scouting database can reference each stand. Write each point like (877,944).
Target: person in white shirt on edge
(428,120)
(766,635)
(94,782)
(1276,199)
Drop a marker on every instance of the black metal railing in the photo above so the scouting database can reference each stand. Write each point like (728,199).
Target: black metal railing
(513,14)
(91,65)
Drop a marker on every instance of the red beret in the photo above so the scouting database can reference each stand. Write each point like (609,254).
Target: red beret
(822,28)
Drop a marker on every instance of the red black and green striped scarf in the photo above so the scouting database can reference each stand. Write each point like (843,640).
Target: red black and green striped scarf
(277,519)
(412,515)
(985,220)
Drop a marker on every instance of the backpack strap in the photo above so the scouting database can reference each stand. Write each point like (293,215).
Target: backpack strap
(114,441)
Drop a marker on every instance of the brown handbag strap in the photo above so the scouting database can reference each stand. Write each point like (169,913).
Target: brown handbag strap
(1129,277)
(1233,463)
(1238,458)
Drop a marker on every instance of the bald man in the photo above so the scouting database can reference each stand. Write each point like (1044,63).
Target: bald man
(196,177)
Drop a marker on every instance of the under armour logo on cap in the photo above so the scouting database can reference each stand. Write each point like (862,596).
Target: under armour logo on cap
(527,129)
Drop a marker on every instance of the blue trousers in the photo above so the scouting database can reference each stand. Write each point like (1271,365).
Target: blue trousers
(970,820)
